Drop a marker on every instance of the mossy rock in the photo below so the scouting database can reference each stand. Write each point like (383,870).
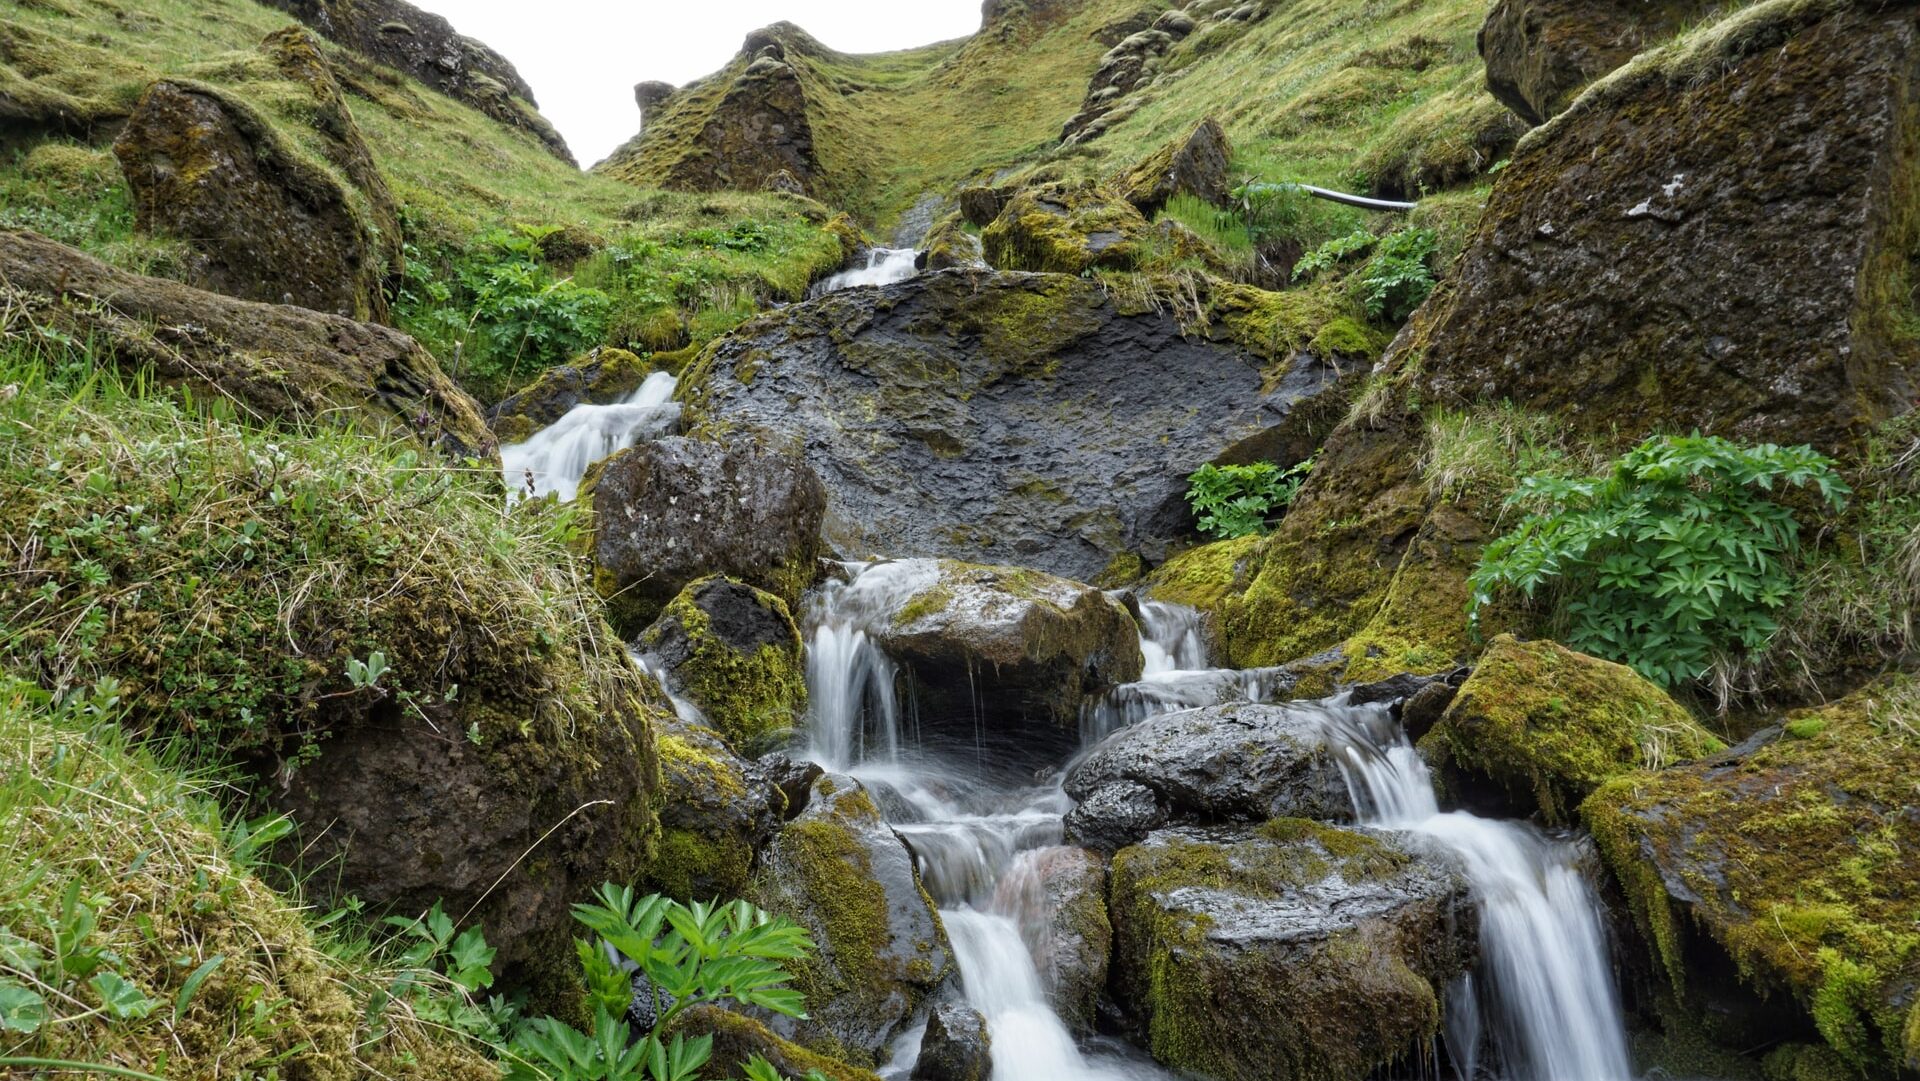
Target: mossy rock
(842,873)
(1549,725)
(716,812)
(735,652)
(738,1038)
(600,377)
(1792,855)
(1065,228)
(1294,950)
(1194,164)
(950,245)
(1541,53)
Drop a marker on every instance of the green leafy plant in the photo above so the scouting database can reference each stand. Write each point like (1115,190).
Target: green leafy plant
(1677,557)
(1236,500)
(684,956)
(1334,252)
(1399,277)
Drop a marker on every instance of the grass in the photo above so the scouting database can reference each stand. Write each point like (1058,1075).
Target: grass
(1481,454)
(132,913)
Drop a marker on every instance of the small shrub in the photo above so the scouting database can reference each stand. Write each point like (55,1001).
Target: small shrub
(1399,277)
(1235,500)
(1333,253)
(1674,560)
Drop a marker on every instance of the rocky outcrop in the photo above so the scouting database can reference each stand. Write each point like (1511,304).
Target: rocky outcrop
(1242,762)
(601,377)
(1020,648)
(734,652)
(956,1047)
(1195,164)
(717,812)
(1130,64)
(1292,950)
(264,222)
(841,872)
(1541,53)
(425,46)
(276,363)
(1065,227)
(738,1039)
(999,418)
(1062,896)
(1701,230)
(1789,856)
(671,511)
(1548,725)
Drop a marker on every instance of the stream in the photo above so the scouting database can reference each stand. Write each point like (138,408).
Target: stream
(1541,1006)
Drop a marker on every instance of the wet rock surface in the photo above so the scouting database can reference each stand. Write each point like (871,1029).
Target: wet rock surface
(1114,814)
(957,1046)
(674,510)
(1015,646)
(601,377)
(277,362)
(1245,762)
(842,873)
(1291,950)
(719,811)
(735,652)
(1064,890)
(996,418)
(264,223)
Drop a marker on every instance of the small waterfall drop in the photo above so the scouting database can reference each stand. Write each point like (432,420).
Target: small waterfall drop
(557,456)
(884,267)
(854,712)
(1176,676)
(1170,639)
(1546,997)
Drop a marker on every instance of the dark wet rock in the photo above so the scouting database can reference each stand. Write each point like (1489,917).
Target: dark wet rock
(793,777)
(998,418)
(279,363)
(1628,271)
(1787,861)
(1195,164)
(1541,53)
(1062,894)
(1113,815)
(1014,646)
(426,46)
(1424,708)
(1065,227)
(956,1047)
(1291,950)
(980,204)
(1244,762)
(735,653)
(264,223)
(842,873)
(674,510)
(601,377)
(760,129)
(717,812)
(738,1039)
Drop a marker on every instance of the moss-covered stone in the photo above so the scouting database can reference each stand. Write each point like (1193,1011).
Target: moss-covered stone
(1296,950)
(716,812)
(1065,228)
(599,377)
(735,652)
(1550,725)
(1541,53)
(737,1039)
(841,872)
(1195,164)
(1792,857)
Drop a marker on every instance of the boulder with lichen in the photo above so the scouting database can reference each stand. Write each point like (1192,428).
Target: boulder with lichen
(1065,227)
(1541,53)
(735,653)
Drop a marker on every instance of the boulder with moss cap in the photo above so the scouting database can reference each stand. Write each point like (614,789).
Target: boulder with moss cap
(1194,164)
(1065,227)
(734,652)
(1791,855)
(717,811)
(1292,949)
(1541,53)
(841,872)
(1549,725)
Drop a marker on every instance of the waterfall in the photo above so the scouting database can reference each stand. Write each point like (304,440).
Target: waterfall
(558,455)
(884,267)
(854,706)
(1546,996)
(1175,677)
(1170,639)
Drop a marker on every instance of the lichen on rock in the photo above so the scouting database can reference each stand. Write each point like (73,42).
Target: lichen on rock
(1065,228)
(735,652)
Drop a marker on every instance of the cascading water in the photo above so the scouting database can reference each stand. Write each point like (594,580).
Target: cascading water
(884,267)
(558,455)
(1546,999)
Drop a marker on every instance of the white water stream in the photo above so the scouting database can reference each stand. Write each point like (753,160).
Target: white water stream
(884,267)
(1542,1006)
(557,456)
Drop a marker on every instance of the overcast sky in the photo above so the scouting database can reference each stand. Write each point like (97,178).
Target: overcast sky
(583,56)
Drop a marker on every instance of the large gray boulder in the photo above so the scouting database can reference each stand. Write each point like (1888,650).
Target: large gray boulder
(841,872)
(1291,950)
(1245,762)
(670,511)
(999,418)
(956,1047)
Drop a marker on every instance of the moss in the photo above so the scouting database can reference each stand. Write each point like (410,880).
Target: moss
(737,1039)
(1794,860)
(930,601)
(752,693)
(1551,725)
(1065,229)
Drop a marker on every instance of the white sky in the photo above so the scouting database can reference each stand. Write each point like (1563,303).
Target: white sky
(582,57)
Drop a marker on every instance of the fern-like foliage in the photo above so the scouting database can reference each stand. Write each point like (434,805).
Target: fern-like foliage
(1677,557)
(1235,500)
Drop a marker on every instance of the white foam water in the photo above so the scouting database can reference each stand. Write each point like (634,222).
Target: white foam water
(854,707)
(884,267)
(557,456)
(1545,997)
